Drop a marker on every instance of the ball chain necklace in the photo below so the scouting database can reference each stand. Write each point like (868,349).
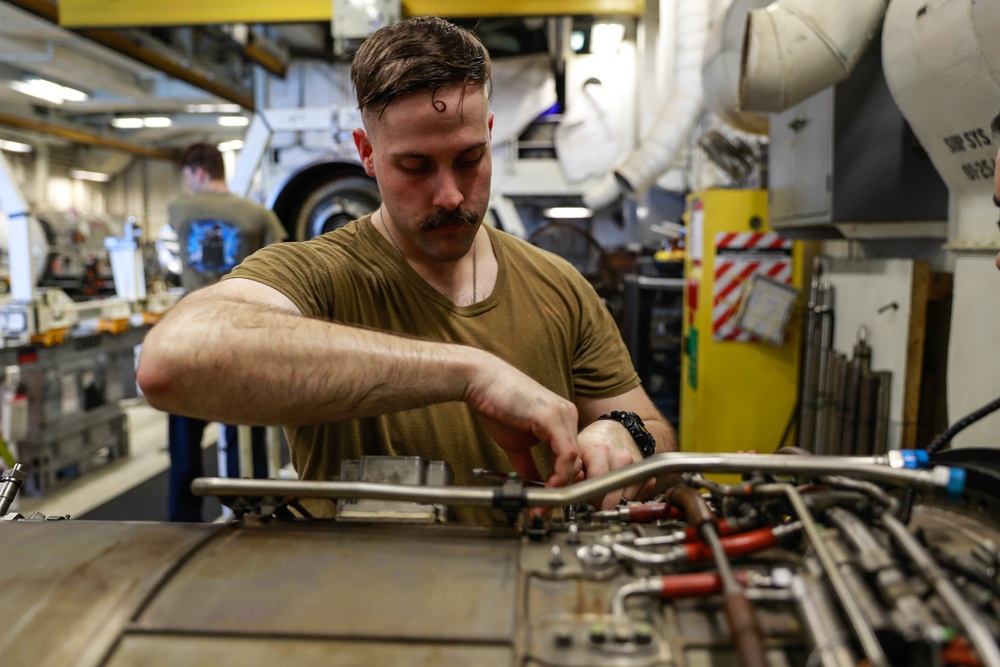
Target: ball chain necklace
(475,271)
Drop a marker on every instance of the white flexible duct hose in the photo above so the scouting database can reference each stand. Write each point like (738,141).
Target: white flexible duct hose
(795,48)
(720,69)
(673,125)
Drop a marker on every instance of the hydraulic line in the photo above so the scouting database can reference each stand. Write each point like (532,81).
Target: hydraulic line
(938,443)
(912,615)
(863,631)
(978,632)
(820,620)
(640,513)
(725,527)
(670,587)
(875,468)
(734,546)
(739,613)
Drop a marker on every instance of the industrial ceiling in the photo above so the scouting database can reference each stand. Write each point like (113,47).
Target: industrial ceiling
(145,78)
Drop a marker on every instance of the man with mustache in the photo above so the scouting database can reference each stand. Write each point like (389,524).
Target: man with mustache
(416,330)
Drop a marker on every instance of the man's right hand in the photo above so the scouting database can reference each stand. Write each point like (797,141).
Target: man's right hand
(518,412)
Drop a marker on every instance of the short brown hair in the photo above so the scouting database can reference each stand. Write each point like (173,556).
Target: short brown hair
(415,55)
(206,156)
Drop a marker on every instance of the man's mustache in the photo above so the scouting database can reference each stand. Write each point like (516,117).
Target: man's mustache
(447,218)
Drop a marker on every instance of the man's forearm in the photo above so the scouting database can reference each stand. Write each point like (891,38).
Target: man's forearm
(249,363)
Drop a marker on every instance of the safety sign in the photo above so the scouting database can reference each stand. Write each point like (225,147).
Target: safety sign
(738,256)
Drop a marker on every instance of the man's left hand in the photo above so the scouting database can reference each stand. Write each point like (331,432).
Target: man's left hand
(606,445)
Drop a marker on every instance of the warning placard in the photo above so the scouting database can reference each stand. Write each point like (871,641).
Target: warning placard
(737,257)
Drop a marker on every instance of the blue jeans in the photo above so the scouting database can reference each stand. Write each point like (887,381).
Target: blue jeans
(184,442)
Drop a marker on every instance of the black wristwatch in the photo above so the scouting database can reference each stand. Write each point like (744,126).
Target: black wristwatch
(643,438)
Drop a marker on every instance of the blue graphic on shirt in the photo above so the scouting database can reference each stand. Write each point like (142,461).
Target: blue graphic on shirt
(213,245)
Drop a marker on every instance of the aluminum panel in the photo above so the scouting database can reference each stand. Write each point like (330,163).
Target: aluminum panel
(390,582)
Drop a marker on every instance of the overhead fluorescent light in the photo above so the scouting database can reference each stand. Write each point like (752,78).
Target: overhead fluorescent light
(567,212)
(157,121)
(14,147)
(49,91)
(90,175)
(213,108)
(133,123)
(233,145)
(233,121)
(605,38)
(126,123)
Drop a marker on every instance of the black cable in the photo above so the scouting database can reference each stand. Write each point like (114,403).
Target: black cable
(969,573)
(944,438)
(906,505)
(792,419)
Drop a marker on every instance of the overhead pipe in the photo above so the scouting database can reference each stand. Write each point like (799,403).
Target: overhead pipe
(793,49)
(131,46)
(82,136)
(673,125)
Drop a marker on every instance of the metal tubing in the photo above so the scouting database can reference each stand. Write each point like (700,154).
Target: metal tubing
(840,407)
(979,633)
(874,468)
(646,586)
(823,356)
(807,407)
(883,395)
(860,363)
(866,408)
(742,622)
(825,401)
(11,481)
(862,630)
(820,620)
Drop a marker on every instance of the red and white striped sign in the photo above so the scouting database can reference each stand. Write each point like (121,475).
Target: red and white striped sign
(737,257)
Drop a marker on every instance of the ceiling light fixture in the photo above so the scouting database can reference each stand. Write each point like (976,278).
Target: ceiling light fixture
(233,145)
(567,212)
(213,108)
(95,176)
(49,91)
(14,147)
(157,121)
(126,123)
(605,38)
(233,121)
(132,123)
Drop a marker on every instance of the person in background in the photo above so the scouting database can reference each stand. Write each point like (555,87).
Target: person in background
(416,330)
(216,230)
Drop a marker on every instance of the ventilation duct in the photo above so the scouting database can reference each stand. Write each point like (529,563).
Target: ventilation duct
(720,69)
(795,48)
(673,125)
(949,93)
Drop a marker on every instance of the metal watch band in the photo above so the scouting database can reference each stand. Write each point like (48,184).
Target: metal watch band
(631,421)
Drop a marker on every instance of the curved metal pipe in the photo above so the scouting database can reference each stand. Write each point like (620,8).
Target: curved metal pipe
(862,629)
(866,467)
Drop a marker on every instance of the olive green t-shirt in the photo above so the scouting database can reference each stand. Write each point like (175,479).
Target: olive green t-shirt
(542,317)
(216,231)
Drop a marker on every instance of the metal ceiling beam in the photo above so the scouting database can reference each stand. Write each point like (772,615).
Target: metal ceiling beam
(118,14)
(81,136)
(120,43)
